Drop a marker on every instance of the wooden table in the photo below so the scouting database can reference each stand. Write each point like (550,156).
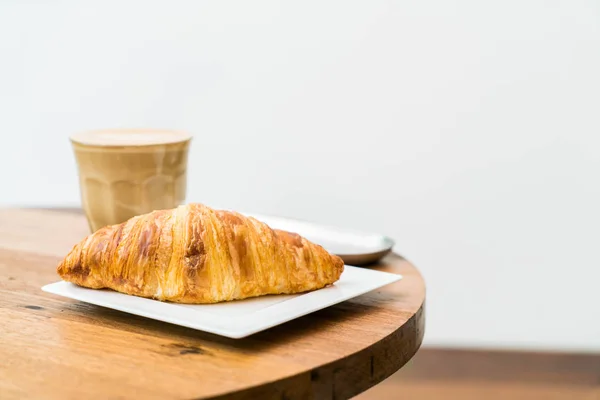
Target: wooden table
(56,348)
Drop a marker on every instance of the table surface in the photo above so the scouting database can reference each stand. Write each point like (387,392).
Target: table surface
(58,348)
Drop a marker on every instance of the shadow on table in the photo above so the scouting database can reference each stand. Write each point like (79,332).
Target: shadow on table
(314,323)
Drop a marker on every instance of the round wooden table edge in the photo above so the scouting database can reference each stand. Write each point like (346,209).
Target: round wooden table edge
(347,376)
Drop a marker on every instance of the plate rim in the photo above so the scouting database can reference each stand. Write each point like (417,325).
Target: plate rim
(235,328)
(342,230)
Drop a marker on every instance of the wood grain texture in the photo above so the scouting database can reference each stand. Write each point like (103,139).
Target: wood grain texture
(53,347)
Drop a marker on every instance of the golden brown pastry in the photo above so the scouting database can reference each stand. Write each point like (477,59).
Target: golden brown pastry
(194,254)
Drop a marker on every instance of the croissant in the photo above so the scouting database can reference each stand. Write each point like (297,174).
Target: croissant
(195,254)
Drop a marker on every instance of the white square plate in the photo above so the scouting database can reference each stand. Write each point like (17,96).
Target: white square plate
(235,319)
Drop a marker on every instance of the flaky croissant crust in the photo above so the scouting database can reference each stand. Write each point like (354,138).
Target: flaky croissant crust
(195,254)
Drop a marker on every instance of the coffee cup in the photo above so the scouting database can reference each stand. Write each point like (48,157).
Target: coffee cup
(129,172)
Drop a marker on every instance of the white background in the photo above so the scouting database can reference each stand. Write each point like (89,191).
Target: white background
(468,131)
